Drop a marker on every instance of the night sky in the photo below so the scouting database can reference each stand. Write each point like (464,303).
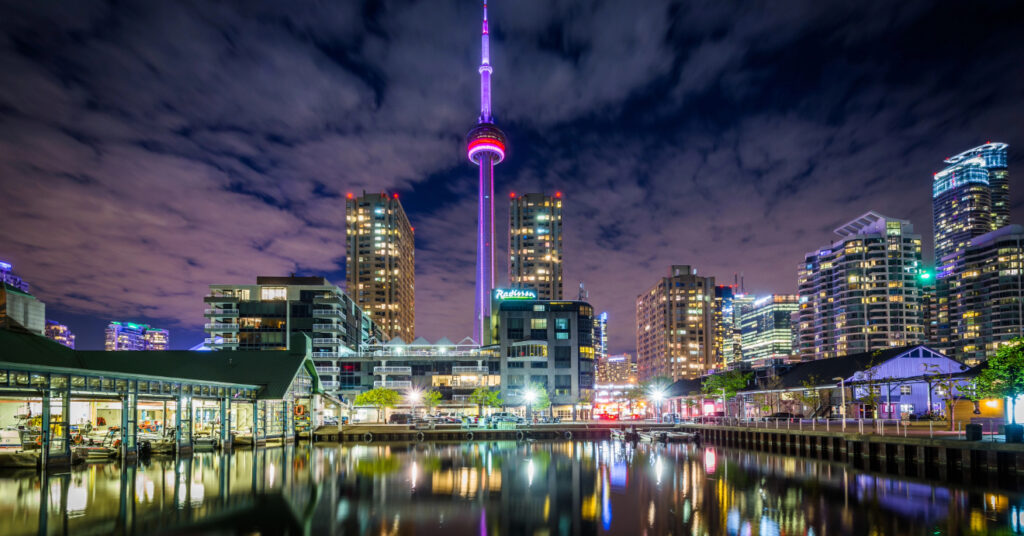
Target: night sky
(149,149)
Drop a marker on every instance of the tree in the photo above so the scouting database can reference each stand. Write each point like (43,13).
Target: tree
(485,397)
(380,398)
(1003,376)
(431,399)
(726,384)
(543,401)
(810,396)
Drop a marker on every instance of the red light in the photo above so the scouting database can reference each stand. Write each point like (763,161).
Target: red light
(512,195)
(411,228)
(396,196)
(349,195)
(558,194)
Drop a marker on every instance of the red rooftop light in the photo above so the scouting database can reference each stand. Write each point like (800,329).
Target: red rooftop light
(349,195)
(558,194)
(512,194)
(396,196)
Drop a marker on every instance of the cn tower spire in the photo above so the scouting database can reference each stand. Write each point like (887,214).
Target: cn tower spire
(485,147)
(485,71)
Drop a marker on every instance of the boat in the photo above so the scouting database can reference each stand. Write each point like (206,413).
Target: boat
(651,436)
(241,440)
(618,435)
(681,437)
(93,453)
(11,459)
(205,443)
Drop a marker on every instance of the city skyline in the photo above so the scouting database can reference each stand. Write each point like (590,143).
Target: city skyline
(816,138)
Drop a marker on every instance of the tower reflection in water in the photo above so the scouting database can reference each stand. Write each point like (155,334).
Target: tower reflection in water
(494,488)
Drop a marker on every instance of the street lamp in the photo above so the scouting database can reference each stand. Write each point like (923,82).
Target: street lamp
(530,396)
(657,396)
(842,394)
(413,396)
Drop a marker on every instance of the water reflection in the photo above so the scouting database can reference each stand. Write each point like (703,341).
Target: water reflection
(495,488)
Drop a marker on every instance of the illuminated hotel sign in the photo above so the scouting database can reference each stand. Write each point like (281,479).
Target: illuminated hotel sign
(514,294)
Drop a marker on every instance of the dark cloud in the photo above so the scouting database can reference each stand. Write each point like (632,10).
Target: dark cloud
(148,150)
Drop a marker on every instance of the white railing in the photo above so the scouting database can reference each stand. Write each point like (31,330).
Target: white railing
(470,370)
(328,327)
(329,384)
(327,341)
(326,355)
(392,384)
(460,398)
(328,313)
(221,312)
(224,340)
(392,370)
(221,327)
(328,370)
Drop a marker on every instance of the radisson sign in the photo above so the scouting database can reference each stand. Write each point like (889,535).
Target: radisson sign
(514,294)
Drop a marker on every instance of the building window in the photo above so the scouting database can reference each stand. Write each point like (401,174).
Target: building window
(273,293)
(539,364)
(538,323)
(562,324)
(906,389)
(562,335)
(515,364)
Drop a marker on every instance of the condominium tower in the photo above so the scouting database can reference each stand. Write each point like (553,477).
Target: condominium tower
(135,337)
(535,244)
(766,329)
(380,264)
(675,326)
(863,292)
(59,333)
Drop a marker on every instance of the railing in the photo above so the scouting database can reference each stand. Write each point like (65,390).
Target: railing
(221,327)
(392,384)
(215,298)
(221,312)
(470,370)
(881,427)
(328,313)
(326,355)
(328,370)
(327,299)
(460,398)
(329,384)
(223,340)
(328,327)
(392,370)
(327,341)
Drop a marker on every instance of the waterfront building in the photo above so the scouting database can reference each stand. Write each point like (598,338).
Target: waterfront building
(59,333)
(485,147)
(766,329)
(617,369)
(729,306)
(863,292)
(987,294)
(129,336)
(17,306)
(544,342)
(675,326)
(380,262)
(222,396)
(264,316)
(535,244)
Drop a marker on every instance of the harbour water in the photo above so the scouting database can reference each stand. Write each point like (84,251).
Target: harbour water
(495,488)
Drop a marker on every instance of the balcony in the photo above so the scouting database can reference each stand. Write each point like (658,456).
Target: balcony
(392,384)
(327,370)
(337,328)
(329,384)
(392,370)
(328,313)
(221,341)
(470,370)
(326,355)
(221,312)
(220,327)
(220,299)
(329,341)
(462,399)
(327,300)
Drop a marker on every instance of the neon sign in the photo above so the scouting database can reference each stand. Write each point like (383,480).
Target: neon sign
(514,294)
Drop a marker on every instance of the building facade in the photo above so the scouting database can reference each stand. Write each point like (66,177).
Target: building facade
(863,292)
(675,330)
(129,336)
(987,294)
(17,306)
(535,244)
(767,329)
(55,331)
(617,370)
(380,262)
(545,343)
(600,342)
(264,316)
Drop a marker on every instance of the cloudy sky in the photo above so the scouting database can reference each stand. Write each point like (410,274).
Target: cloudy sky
(149,149)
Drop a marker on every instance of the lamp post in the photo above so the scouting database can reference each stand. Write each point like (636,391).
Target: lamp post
(530,396)
(413,396)
(842,395)
(657,396)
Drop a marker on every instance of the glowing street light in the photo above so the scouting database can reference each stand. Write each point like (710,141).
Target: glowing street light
(413,396)
(657,395)
(530,395)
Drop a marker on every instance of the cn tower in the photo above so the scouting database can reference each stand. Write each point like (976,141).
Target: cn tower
(485,146)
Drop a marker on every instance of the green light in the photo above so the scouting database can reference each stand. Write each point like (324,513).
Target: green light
(925,276)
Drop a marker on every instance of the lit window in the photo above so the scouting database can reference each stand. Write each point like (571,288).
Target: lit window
(273,293)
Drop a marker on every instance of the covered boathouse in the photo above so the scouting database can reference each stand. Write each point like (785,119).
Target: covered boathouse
(53,398)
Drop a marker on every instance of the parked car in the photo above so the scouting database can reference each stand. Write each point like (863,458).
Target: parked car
(504,416)
(400,418)
(549,420)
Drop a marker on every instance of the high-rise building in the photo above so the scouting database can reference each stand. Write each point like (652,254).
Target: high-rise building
(485,146)
(380,264)
(535,244)
(729,306)
(600,338)
(863,292)
(970,198)
(675,326)
(617,370)
(121,336)
(60,333)
(987,294)
(17,306)
(767,331)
